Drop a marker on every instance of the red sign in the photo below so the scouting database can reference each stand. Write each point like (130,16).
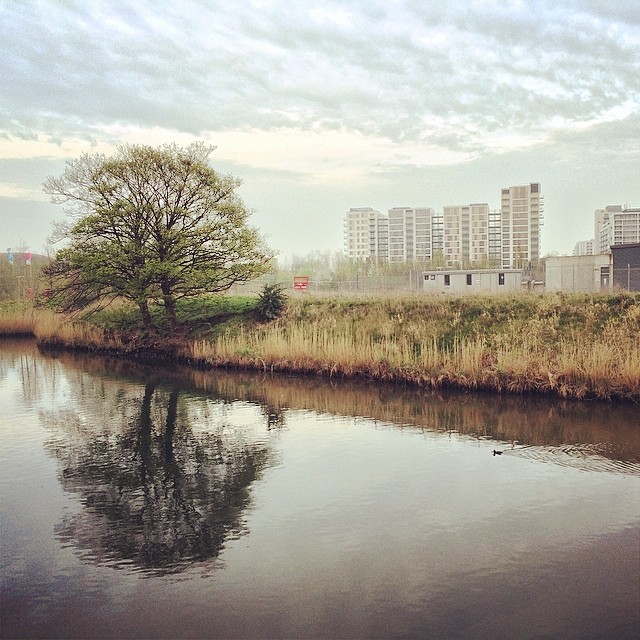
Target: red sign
(300,283)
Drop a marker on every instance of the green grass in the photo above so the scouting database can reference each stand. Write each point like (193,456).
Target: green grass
(202,316)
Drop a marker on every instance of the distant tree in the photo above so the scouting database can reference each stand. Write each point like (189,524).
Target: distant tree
(151,224)
(438,261)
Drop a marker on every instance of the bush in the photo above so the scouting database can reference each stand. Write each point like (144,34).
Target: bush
(271,302)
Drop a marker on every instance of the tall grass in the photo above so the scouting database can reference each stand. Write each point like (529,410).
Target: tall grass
(582,348)
(571,346)
(55,329)
(52,328)
(16,319)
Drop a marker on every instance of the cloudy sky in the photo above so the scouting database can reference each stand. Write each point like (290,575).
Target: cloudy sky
(320,106)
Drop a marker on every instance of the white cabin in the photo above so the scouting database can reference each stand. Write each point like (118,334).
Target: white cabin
(473,281)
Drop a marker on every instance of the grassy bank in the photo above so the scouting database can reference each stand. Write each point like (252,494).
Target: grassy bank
(571,346)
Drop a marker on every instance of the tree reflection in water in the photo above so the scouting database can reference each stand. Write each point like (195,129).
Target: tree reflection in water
(164,476)
(156,493)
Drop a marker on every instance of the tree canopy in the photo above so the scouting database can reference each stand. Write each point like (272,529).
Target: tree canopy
(151,224)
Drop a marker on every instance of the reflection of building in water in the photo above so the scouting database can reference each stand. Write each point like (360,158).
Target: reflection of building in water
(157,493)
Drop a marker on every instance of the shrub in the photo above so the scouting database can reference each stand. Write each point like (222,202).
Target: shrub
(271,302)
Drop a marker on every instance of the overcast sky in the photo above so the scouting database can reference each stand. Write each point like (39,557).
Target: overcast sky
(321,106)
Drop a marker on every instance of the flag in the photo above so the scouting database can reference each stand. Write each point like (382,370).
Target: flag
(27,258)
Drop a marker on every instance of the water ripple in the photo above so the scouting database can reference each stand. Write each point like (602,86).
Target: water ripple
(586,457)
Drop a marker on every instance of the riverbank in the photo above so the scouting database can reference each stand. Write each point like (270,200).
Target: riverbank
(578,346)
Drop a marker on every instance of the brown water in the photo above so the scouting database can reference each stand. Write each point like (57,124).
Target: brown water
(143,502)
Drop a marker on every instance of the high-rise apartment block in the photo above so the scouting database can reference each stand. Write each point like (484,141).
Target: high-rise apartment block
(615,225)
(600,216)
(410,234)
(366,234)
(521,215)
(462,235)
(583,248)
(455,220)
(471,235)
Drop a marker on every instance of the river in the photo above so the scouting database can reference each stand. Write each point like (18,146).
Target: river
(150,502)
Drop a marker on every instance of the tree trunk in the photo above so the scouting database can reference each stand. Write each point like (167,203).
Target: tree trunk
(169,306)
(172,415)
(147,321)
(143,444)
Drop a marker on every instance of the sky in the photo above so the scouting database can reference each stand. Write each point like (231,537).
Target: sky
(320,106)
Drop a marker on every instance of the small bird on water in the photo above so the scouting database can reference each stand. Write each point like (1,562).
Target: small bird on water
(497,453)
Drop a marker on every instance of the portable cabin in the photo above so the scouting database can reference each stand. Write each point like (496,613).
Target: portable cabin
(473,281)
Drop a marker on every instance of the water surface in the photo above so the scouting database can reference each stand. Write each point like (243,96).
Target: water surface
(142,502)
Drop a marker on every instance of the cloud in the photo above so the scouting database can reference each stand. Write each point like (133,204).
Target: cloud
(376,68)
(326,93)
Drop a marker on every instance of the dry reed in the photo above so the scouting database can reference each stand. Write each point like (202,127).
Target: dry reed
(585,347)
(16,319)
(528,351)
(52,328)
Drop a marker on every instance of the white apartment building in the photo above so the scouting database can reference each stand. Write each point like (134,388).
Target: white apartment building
(366,234)
(466,235)
(410,234)
(600,219)
(469,234)
(521,216)
(495,237)
(615,225)
(584,248)
(437,235)
(455,220)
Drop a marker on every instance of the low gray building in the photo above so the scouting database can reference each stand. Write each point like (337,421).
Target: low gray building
(473,281)
(578,274)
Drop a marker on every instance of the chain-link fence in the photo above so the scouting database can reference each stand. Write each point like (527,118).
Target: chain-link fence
(368,284)
(352,285)
(569,280)
(626,278)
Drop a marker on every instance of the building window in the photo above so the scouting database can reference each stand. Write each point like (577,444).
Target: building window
(501,278)
(447,280)
(469,279)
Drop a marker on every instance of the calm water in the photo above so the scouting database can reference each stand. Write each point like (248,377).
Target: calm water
(150,503)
